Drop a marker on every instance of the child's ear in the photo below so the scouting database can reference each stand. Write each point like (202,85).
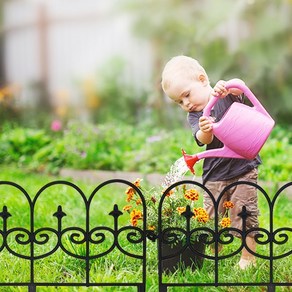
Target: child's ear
(203,79)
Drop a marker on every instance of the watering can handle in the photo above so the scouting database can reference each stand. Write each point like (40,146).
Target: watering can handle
(239,84)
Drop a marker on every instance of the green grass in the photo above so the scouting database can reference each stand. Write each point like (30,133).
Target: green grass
(115,267)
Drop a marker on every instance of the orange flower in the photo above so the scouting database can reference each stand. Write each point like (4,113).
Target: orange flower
(130,192)
(192,195)
(137,182)
(204,218)
(180,210)
(228,205)
(201,215)
(135,216)
(138,202)
(169,193)
(134,222)
(127,208)
(151,227)
(225,222)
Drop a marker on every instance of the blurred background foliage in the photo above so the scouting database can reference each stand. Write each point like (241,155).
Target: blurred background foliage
(248,39)
(123,148)
(127,129)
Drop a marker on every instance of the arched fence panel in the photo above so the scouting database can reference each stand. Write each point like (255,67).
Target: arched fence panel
(222,243)
(68,238)
(61,236)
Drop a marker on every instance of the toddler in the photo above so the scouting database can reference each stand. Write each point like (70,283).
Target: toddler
(186,82)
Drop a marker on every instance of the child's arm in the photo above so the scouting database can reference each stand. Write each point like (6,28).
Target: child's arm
(205,134)
(220,89)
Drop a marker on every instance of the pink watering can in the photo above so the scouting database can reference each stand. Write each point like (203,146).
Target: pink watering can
(243,129)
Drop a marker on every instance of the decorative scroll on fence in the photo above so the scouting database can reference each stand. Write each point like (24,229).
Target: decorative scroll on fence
(61,237)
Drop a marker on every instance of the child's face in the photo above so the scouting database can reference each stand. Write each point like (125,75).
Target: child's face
(191,95)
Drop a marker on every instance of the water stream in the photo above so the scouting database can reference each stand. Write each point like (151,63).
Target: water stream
(176,173)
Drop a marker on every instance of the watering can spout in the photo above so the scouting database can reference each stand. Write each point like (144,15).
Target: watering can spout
(225,152)
(190,160)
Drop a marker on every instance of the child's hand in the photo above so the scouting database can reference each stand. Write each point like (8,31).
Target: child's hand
(220,89)
(206,124)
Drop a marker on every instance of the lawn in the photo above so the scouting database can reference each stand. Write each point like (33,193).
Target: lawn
(114,267)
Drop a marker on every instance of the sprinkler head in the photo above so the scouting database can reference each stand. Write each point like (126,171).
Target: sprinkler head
(190,161)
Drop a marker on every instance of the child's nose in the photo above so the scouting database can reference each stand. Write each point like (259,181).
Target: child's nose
(186,101)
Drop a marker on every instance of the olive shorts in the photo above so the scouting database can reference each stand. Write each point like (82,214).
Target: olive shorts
(240,195)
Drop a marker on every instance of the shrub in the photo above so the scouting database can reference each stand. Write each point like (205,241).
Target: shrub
(118,146)
(20,144)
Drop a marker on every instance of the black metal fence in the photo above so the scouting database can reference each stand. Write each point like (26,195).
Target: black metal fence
(85,245)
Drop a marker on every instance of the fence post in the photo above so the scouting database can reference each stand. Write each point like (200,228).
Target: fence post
(31,288)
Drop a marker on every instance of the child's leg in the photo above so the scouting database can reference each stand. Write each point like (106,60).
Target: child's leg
(250,242)
(215,188)
(246,195)
(247,259)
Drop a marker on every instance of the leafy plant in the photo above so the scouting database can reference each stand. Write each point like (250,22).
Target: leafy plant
(117,146)
(20,143)
(177,205)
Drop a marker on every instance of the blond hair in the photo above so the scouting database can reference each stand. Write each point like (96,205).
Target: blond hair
(181,65)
